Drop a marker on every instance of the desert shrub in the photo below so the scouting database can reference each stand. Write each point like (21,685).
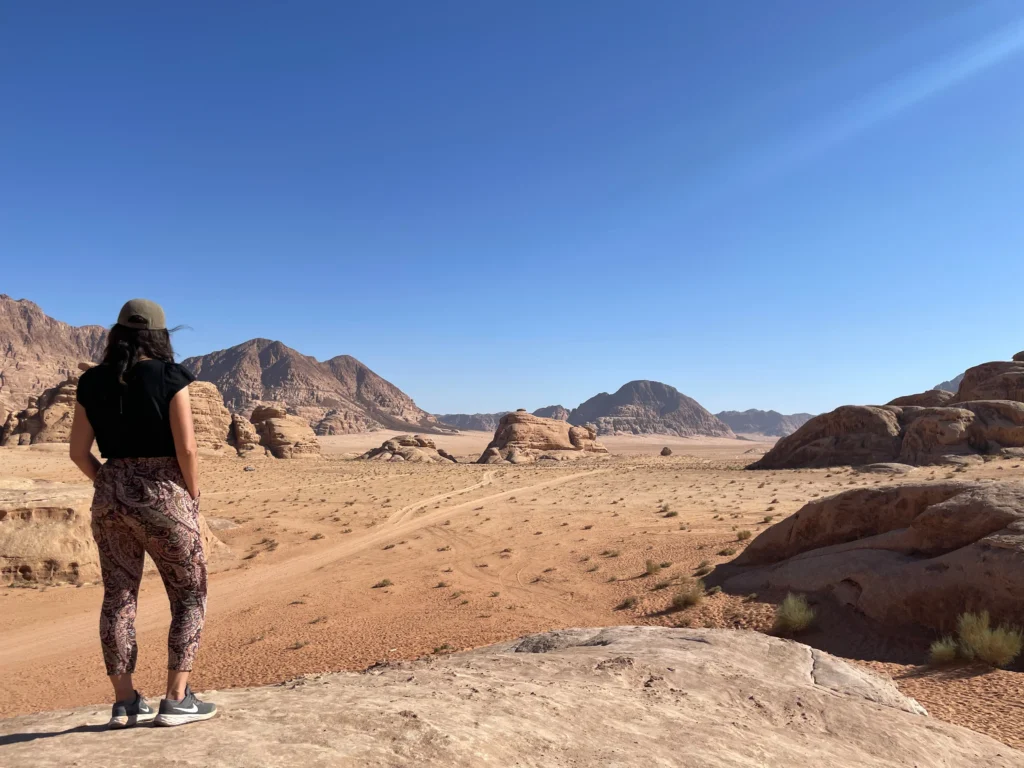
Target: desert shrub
(671,513)
(979,640)
(943,651)
(793,615)
(651,568)
(629,602)
(689,594)
(663,584)
(768,518)
(727,552)
(743,535)
(665,564)
(703,568)
(382,583)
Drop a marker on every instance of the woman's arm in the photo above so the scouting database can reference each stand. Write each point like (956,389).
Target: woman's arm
(82,437)
(185,440)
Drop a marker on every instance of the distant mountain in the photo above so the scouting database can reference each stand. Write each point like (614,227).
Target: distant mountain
(771,423)
(38,352)
(478,422)
(952,385)
(648,407)
(556,412)
(488,422)
(337,396)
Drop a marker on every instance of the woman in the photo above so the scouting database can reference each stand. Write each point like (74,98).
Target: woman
(135,405)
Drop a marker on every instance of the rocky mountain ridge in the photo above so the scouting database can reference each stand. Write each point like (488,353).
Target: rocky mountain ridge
(769,423)
(648,407)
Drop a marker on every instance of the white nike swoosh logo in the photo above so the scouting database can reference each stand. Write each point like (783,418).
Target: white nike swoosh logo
(193,708)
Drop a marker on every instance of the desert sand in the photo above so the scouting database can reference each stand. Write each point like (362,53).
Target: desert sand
(474,555)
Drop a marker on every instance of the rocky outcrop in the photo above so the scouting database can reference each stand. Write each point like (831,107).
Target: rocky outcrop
(411,448)
(244,437)
(648,407)
(284,435)
(522,438)
(473,422)
(912,554)
(46,534)
(580,697)
(337,396)
(986,416)
(666,451)
(38,352)
(211,420)
(47,419)
(851,434)
(931,399)
(992,381)
(556,412)
(767,423)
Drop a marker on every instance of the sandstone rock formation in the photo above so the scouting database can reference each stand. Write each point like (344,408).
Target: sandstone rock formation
(38,352)
(284,435)
(337,396)
(992,381)
(475,422)
(911,554)
(767,423)
(522,437)
(414,448)
(553,412)
(47,419)
(46,534)
(986,416)
(619,696)
(648,407)
(931,399)
(211,419)
(244,437)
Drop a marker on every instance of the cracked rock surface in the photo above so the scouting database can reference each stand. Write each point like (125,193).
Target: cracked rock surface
(618,696)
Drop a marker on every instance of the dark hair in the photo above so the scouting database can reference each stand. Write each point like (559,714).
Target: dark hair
(125,346)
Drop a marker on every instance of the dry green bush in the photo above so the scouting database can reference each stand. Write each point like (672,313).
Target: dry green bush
(793,615)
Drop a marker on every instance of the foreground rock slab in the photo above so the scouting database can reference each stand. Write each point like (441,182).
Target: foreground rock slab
(621,696)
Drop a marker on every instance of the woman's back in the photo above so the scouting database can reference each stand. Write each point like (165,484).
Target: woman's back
(132,420)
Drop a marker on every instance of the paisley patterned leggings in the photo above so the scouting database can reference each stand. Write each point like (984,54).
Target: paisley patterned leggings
(140,506)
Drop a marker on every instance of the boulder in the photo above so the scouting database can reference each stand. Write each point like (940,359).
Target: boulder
(666,451)
(47,419)
(851,434)
(1019,357)
(993,381)
(46,534)
(918,554)
(284,435)
(617,696)
(930,399)
(521,437)
(414,448)
(211,420)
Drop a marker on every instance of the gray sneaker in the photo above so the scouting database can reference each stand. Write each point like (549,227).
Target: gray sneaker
(188,710)
(128,713)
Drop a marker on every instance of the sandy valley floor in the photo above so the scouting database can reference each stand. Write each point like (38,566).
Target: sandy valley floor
(473,554)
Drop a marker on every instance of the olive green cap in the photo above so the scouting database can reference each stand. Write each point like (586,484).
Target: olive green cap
(143,315)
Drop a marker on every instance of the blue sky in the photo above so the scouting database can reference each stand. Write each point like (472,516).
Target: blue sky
(787,205)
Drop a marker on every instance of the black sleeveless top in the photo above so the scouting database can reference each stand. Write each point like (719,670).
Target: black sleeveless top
(133,421)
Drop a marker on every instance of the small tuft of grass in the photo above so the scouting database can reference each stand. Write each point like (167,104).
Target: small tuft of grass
(768,518)
(997,646)
(593,568)
(316,537)
(727,552)
(442,585)
(743,535)
(628,603)
(689,595)
(663,584)
(651,568)
(673,513)
(703,568)
(383,583)
(793,615)
(943,651)
(495,594)
(298,644)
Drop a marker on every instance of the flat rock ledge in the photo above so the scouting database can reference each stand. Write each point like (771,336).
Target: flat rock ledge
(619,696)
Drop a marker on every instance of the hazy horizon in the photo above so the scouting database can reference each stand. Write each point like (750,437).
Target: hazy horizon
(785,207)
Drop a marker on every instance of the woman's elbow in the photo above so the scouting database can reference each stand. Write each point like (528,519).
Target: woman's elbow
(188,450)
